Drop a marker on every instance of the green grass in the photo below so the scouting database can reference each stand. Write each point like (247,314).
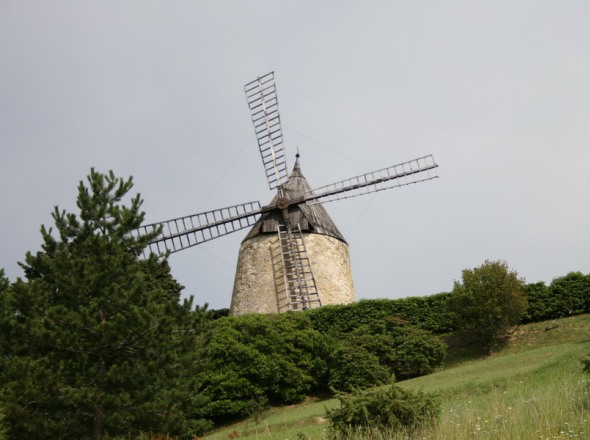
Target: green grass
(533,388)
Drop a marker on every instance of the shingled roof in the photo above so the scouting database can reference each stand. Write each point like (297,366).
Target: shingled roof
(311,218)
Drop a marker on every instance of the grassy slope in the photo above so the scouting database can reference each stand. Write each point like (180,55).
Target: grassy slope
(532,389)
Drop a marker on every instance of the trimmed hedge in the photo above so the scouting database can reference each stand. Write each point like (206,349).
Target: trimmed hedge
(565,296)
(424,312)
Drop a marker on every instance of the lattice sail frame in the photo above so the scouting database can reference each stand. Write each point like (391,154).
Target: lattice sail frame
(263,103)
(184,232)
(405,173)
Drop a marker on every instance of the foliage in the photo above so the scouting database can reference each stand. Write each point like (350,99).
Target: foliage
(283,359)
(256,357)
(409,352)
(354,367)
(488,301)
(375,353)
(540,304)
(4,282)
(428,313)
(572,293)
(389,408)
(95,342)
(565,296)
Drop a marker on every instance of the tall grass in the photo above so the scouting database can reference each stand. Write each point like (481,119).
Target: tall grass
(543,405)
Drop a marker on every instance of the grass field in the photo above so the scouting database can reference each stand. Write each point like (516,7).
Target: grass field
(533,388)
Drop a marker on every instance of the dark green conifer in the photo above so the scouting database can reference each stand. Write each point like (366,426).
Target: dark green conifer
(96,341)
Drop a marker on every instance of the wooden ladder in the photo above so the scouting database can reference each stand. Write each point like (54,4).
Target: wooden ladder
(300,286)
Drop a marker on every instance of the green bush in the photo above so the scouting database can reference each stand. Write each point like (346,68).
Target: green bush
(374,353)
(417,353)
(353,367)
(255,357)
(390,408)
(408,352)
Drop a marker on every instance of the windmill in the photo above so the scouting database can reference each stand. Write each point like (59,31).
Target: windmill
(294,257)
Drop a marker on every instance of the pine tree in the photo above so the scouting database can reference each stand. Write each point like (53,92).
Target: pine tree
(96,341)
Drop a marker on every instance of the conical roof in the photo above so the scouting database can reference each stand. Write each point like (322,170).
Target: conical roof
(310,218)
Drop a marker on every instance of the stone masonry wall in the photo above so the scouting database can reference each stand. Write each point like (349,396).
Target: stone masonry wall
(259,284)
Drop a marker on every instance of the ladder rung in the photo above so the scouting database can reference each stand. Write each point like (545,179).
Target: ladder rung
(300,286)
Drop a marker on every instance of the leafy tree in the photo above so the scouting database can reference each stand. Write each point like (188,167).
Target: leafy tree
(96,342)
(488,301)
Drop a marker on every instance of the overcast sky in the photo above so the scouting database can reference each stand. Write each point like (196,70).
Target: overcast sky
(498,92)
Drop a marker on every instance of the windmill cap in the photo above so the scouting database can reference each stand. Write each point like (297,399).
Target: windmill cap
(310,218)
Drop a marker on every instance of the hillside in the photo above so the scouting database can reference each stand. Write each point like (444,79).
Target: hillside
(533,388)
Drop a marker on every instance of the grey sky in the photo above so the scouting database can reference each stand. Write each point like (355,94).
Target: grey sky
(498,92)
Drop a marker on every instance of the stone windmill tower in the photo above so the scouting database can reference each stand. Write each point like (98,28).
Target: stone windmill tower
(267,278)
(294,257)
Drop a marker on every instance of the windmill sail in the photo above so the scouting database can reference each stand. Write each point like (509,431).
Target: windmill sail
(406,173)
(264,108)
(184,232)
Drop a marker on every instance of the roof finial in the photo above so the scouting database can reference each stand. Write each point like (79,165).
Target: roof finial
(296,168)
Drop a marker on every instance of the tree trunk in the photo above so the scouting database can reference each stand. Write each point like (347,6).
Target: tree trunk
(98,429)
(98,422)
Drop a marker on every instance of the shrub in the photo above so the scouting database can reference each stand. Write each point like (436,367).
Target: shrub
(353,367)
(408,352)
(417,353)
(390,408)
(373,354)
(257,357)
